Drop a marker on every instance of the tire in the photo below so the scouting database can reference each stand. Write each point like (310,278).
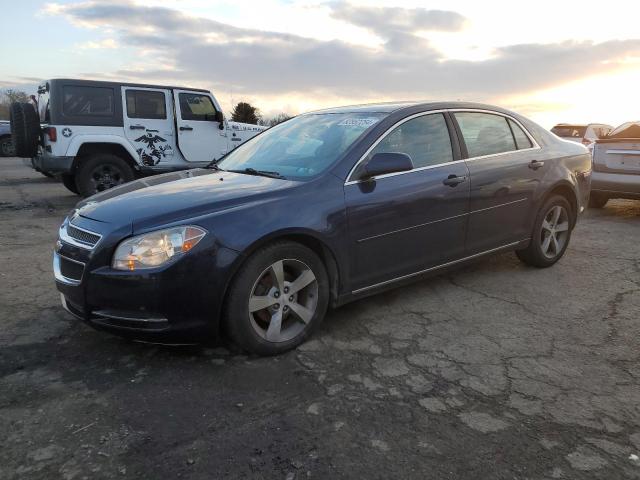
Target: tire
(6,147)
(69,181)
(100,172)
(25,129)
(542,254)
(257,332)
(597,200)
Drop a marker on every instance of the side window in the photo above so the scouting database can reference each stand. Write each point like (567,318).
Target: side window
(146,104)
(522,141)
(87,101)
(425,139)
(196,106)
(485,133)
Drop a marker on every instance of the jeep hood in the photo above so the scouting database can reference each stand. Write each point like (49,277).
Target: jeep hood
(177,196)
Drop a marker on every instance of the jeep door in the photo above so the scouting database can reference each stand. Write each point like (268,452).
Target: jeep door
(148,125)
(200,136)
(403,223)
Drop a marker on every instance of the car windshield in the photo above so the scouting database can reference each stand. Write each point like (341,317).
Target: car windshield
(301,147)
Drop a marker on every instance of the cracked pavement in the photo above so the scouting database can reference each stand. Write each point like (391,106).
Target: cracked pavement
(495,371)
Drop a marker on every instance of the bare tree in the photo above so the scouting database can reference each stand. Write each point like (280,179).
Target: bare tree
(7,97)
(275,120)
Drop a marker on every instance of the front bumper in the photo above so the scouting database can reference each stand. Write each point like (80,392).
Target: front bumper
(621,185)
(45,162)
(177,303)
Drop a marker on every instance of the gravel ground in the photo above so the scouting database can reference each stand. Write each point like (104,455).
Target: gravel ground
(495,371)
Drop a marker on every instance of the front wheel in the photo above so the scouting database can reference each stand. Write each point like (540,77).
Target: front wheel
(551,234)
(277,299)
(6,147)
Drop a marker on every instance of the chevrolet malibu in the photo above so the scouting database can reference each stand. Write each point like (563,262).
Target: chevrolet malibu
(318,211)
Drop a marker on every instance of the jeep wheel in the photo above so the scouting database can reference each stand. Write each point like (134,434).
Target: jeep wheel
(101,172)
(6,147)
(25,129)
(69,181)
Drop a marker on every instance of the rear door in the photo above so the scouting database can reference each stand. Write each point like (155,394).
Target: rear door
(403,223)
(200,137)
(506,170)
(148,125)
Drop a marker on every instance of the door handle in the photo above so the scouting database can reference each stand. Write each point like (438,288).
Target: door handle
(536,164)
(154,131)
(136,127)
(186,128)
(454,180)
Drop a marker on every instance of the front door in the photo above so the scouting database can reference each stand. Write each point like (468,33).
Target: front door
(148,124)
(506,170)
(199,135)
(403,223)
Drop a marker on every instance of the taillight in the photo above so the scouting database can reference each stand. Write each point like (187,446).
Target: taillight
(52,133)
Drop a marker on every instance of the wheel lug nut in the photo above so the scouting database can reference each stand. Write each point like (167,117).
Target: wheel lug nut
(286,289)
(276,294)
(277,306)
(291,298)
(285,308)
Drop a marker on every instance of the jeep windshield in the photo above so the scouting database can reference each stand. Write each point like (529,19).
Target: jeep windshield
(301,147)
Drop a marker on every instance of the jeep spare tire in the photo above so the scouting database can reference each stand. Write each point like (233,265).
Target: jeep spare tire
(25,129)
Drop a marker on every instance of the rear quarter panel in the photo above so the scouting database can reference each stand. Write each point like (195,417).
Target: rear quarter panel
(568,164)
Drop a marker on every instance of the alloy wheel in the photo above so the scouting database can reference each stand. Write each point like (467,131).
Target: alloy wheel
(283,300)
(104,177)
(554,232)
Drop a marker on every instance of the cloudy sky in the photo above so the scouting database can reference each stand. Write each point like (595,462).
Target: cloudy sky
(552,60)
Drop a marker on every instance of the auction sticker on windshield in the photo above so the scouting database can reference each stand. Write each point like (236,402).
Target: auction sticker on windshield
(359,122)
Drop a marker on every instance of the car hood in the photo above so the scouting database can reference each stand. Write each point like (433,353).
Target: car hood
(176,196)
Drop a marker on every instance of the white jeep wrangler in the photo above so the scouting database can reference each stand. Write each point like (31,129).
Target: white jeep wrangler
(96,135)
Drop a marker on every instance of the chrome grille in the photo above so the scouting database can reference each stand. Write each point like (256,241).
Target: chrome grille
(82,235)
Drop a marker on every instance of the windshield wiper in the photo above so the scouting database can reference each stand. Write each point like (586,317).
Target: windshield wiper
(261,173)
(213,165)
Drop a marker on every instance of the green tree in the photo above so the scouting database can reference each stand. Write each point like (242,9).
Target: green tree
(246,113)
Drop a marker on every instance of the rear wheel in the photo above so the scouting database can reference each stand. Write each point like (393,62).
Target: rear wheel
(551,234)
(69,181)
(277,299)
(101,172)
(597,200)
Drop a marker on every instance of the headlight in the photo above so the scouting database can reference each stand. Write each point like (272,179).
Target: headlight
(156,248)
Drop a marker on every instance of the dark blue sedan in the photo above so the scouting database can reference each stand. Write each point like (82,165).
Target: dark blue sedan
(318,211)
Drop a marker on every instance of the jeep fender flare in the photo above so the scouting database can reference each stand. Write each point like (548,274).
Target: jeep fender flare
(79,140)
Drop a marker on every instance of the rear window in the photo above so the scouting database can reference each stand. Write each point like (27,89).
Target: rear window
(522,140)
(88,101)
(569,131)
(146,104)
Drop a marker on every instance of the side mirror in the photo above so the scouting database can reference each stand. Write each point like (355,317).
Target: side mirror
(387,162)
(219,117)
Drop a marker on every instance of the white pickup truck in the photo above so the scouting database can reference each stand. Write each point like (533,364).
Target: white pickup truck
(616,165)
(96,135)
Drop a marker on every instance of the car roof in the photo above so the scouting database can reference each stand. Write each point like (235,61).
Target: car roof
(85,82)
(391,107)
